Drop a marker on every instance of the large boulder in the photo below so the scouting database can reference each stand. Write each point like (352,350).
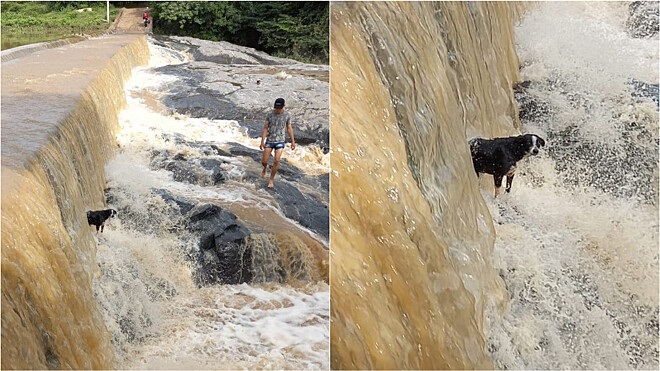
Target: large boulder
(224,256)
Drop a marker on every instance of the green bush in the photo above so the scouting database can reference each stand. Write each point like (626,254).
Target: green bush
(33,16)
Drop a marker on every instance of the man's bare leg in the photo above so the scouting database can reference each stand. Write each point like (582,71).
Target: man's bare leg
(264,160)
(276,165)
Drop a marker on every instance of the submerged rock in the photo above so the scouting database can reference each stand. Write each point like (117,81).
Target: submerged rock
(643,19)
(183,204)
(202,171)
(306,209)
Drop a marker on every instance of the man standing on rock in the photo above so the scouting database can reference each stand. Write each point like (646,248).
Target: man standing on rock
(273,136)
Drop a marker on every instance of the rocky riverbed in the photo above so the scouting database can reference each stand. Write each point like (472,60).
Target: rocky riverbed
(203,109)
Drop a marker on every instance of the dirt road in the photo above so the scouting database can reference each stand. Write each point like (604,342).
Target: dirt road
(130,21)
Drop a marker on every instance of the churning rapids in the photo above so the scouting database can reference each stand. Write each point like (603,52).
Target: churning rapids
(571,281)
(149,288)
(577,241)
(202,268)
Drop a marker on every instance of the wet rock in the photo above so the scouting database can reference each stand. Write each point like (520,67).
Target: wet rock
(202,102)
(182,171)
(219,151)
(224,256)
(642,89)
(213,165)
(183,204)
(285,170)
(306,209)
(643,19)
(223,52)
(177,138)
(324,182)
(202,171)
(530,108)
(231,82)
(237,149)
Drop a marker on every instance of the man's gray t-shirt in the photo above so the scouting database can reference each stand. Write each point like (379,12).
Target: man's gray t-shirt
(277,126)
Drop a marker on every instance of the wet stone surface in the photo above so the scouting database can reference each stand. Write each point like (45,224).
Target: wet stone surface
(644,19)
(297,203)
(230,82)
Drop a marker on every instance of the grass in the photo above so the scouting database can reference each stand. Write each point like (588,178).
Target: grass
(42,21)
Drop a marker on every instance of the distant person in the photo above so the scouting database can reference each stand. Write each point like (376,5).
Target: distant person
(273,137)
(145,18)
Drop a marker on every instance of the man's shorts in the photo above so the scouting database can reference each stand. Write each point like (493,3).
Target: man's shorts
(274,145)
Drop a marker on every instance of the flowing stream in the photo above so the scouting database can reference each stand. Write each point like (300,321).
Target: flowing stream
(158,315)
(564,269)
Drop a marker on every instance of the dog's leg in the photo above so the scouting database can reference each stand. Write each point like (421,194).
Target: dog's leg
(509,180)
(498,183)
(102,224)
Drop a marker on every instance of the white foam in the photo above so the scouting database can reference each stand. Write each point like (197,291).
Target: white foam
(585,47)
(241,326)
(581,265)
(158,316)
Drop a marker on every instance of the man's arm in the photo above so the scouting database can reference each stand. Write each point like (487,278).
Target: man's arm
(289,128)
(264,132)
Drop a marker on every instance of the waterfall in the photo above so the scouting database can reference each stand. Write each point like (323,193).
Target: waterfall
(125,297)
(428,269)
(58,127)
(411,235)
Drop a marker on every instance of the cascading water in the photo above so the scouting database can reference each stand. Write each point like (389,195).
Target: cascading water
(411,235)
(575,242)
(577,239)
(59,114)
(134,296)
(157,305)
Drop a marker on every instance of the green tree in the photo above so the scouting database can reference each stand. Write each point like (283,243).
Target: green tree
(297,29)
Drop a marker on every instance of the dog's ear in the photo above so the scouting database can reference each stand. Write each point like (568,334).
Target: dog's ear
(540,141)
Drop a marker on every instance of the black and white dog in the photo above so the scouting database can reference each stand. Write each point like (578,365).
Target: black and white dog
(499,156)
(98,218)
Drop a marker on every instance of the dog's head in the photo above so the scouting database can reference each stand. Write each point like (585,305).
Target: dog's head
(533,143)
(113,213)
